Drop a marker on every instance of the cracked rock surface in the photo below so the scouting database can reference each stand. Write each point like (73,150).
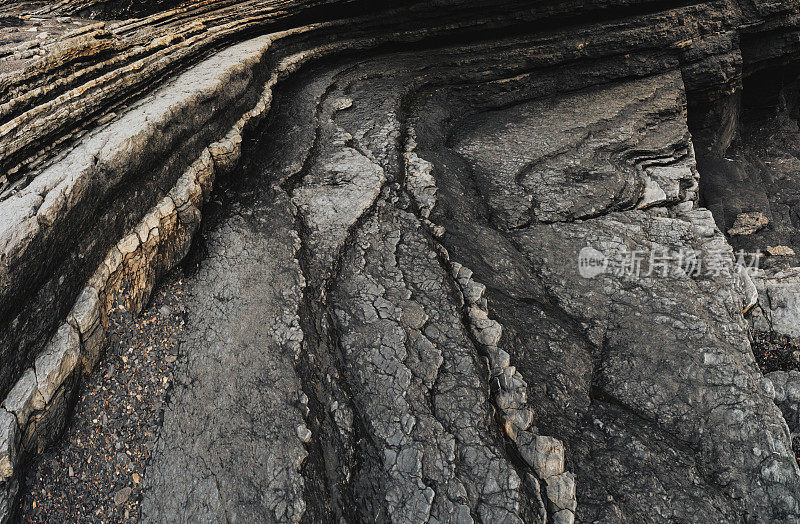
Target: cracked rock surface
(232,439)
(390,320)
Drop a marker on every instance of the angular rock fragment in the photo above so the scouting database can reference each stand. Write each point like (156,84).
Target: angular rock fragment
(748,223)
(545,455)
(780,251)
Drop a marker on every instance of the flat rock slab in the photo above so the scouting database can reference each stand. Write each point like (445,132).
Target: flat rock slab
(230,448)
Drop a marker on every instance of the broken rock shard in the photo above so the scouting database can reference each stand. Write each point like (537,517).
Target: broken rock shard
(450,261)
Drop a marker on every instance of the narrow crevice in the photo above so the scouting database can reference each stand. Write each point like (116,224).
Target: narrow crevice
(334,457)
(325,491)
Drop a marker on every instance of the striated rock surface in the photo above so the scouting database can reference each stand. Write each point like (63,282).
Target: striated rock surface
(460,261)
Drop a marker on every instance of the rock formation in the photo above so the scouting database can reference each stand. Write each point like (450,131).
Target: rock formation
(390,321)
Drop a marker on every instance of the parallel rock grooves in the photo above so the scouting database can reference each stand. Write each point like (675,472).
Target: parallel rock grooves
(549,258)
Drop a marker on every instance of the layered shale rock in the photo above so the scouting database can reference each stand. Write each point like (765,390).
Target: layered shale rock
(392,321)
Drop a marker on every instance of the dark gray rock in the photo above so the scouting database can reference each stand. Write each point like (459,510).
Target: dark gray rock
(390,321)
(229,448)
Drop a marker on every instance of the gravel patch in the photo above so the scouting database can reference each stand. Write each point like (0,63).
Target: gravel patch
(94,472)
(775,354)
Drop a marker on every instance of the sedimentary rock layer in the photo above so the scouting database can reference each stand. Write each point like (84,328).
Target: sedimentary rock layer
(390,322)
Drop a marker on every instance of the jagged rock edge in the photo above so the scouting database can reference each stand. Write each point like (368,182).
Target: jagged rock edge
(544,455)
(131,268)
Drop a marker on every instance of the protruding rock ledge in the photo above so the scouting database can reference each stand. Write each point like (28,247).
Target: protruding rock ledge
(778,309)
(35,408)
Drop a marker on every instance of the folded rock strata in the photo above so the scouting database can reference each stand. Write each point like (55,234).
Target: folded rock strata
(390,322)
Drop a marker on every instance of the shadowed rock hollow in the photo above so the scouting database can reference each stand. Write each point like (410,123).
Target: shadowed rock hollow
(389,321)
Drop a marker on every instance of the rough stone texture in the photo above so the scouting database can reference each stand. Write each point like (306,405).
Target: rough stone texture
(57,361)
(606,315)
(229,449)
(24,398)
(466,466)
(748,223)
(778,310)
(390,322)
(8,445)
(787,397)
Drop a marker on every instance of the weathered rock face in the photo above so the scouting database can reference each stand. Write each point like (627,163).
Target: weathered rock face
(393,320)
(113,9)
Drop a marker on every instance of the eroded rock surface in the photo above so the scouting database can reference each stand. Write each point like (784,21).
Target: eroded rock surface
(232,441)
(390,320)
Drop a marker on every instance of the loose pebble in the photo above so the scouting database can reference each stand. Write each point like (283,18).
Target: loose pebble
(115,423)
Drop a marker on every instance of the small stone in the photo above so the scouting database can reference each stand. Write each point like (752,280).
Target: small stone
(780,251)
(303,433)
(521,418)
(748,223)
(545,455)
(473,292)
(123,461)
(408,422)
(70,472)
(129,244)
(170,358)
(652,195)
(490,335)
(122,496)
(499,358)
(342,103)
